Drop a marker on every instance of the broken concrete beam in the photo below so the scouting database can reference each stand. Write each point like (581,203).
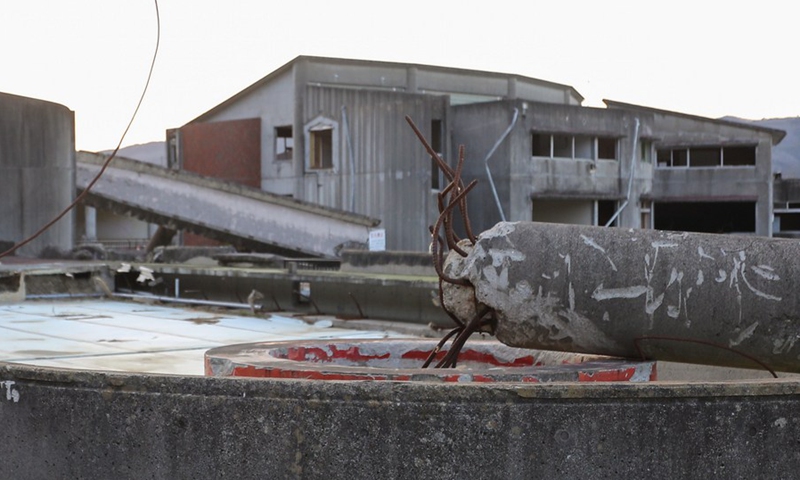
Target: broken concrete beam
(679,296)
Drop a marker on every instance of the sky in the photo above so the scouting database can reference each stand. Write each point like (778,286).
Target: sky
(703,57)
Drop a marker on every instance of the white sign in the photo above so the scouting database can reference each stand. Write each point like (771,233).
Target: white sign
(377,240)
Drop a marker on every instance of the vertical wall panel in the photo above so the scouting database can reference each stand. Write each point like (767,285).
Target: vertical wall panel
(391,177)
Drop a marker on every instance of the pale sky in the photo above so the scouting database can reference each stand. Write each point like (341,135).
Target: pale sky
(709,58)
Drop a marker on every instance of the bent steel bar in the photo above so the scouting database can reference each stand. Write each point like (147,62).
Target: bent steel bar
(605,290)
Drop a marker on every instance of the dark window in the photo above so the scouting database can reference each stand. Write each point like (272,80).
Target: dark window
(605,210)
(705,157)
(664,158)
(607,148)
(284,143)
(562,146)
(739,156)
(789,222)
(541,145)
(679,158)
(321,154)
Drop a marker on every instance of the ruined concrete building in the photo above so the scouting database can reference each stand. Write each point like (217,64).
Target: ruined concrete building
(332,132)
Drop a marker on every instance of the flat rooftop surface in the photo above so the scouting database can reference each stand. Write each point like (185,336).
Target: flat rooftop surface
(137,337)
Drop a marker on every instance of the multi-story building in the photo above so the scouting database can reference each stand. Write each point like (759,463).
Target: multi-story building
(332,131)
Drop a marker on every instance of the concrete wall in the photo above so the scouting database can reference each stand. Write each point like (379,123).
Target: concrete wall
(521,177)
(72,424)
(37,167)
(386,175)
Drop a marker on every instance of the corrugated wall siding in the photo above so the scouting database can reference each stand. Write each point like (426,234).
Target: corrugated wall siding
(390,168)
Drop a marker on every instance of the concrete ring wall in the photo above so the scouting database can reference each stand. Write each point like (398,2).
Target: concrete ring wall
(79,424)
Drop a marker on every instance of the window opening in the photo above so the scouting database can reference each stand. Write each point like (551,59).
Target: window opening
(645,214)
(679,158)
(321,154)
(607,148)
(541,145)
(562,146)
(605,210)
(584,147)
(705,157)
(646,152)
(284,143)
(739,156)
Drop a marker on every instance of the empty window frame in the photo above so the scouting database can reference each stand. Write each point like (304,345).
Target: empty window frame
(699,157)
(739,156)
(646,151)
(646,214)
(284,143)
(541,145)
(607,148)
(584,147)
(321,148)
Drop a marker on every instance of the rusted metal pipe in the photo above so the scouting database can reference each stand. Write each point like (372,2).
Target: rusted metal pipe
(608,290)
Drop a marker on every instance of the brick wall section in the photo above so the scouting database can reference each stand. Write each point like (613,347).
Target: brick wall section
(226,150)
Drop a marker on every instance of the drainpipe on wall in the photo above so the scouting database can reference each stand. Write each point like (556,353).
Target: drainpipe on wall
(489,155)
(630,179)
(352,159)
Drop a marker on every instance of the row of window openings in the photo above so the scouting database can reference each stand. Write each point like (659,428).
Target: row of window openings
(732,156)
(543,145)
(583,147)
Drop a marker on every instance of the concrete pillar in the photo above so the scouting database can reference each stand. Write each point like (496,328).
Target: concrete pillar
(90,221)
(598,290)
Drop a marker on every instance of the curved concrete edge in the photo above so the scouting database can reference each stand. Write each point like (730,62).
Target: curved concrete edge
(402,359)
(77,424)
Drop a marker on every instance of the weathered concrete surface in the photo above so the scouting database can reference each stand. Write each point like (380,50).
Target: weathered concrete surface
(595,290)
(219,209)
(389,262)
(345,295)
(63,424)
(37,168)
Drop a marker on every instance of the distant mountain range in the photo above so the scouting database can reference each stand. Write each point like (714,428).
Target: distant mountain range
(785,155)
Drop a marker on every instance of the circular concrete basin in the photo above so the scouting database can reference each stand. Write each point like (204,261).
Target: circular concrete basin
(401,360)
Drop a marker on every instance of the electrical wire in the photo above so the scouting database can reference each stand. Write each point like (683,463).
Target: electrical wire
(85,192)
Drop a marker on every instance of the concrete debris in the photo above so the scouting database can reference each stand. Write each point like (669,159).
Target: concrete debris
(685,297)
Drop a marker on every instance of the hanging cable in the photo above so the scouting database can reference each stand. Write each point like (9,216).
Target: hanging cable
(85,192)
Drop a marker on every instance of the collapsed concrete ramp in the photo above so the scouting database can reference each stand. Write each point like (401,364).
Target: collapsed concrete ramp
(220,210)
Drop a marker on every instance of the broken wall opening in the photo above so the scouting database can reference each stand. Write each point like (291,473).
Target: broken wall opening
(573,211)
(705,217)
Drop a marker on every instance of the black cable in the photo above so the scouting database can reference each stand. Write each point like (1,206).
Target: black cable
(108,160)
